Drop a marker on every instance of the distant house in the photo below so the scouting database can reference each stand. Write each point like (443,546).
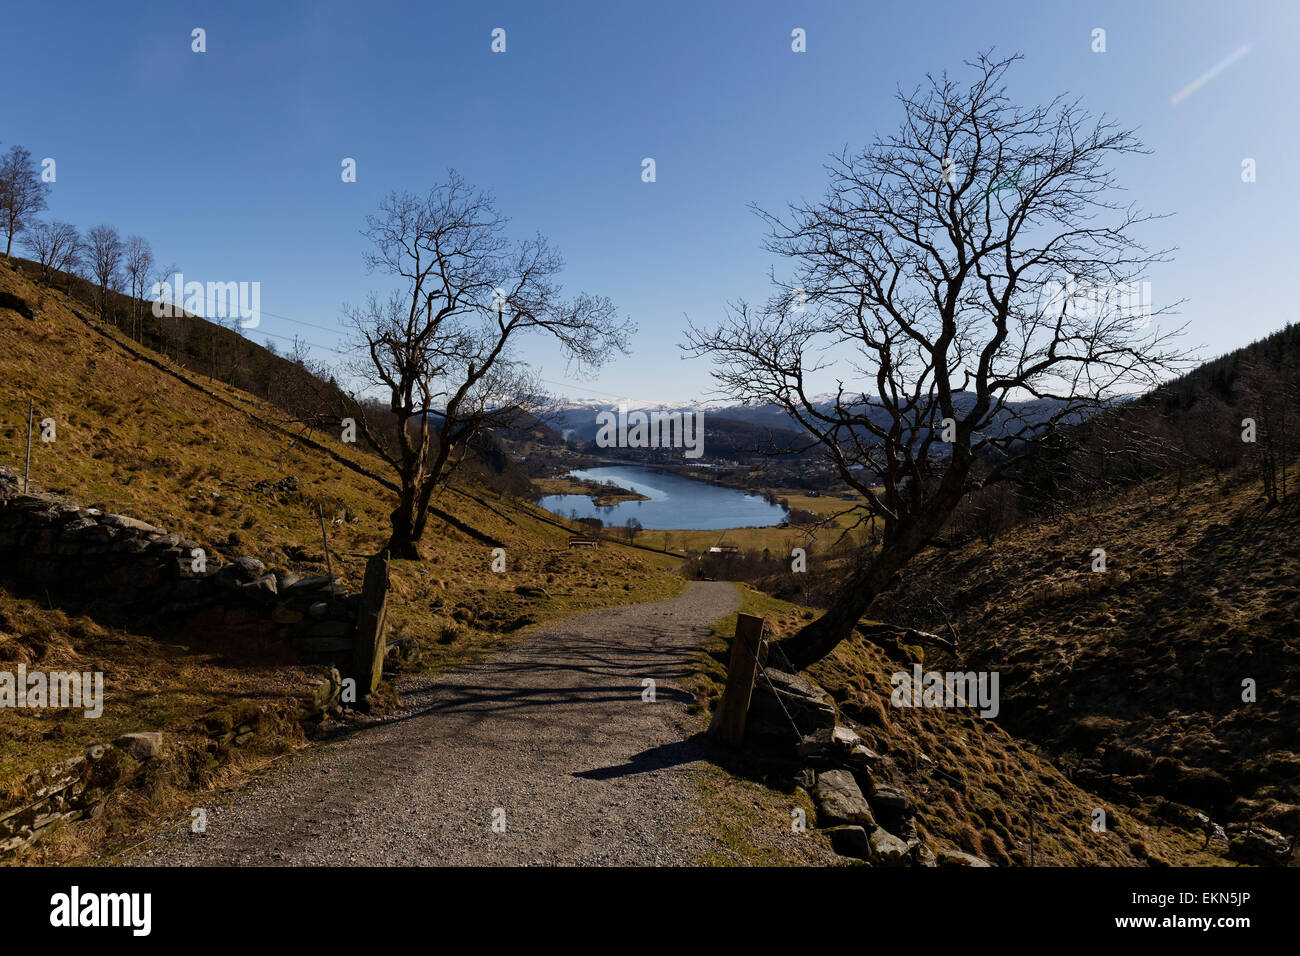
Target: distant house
(724,549)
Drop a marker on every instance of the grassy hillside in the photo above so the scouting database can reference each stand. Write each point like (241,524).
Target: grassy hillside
(1134,678)
(139,435)
(977,787)
(1124,687)
(1201,592)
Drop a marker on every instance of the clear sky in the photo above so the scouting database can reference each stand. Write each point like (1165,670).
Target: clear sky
(229,161)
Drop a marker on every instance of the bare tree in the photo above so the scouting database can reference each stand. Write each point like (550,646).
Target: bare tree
(236,353)
(964,267)
(159,276)
(1269,396)
(22,193)
(139,264)
(441,348)
(104,250)
(1210,433)
(172,322)
(57,247)
(176,334)
(309,394)
(299,352)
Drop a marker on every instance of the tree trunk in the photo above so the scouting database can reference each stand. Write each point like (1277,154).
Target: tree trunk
(401,543)
(854,597)
(852,600)
(410,517)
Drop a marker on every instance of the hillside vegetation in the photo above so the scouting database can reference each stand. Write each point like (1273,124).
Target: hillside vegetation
(1166,685)
(137,434)
(1137,590)
(1120,690)
(977,787)
(1173,675)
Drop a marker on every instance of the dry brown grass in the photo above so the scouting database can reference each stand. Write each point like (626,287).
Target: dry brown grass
(976,785)
(1201,591)
(197,457)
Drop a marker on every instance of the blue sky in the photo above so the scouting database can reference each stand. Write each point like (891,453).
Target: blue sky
(229,161)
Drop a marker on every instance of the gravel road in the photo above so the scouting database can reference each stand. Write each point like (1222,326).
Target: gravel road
(550,738)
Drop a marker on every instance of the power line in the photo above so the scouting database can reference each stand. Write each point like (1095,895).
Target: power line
(313,325)
(275,335)
(295,338)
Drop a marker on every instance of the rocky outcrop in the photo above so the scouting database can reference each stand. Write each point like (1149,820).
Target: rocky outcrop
(850,841)
(141,746)
(958,858)
(828,744)
(892,802)
(1253,844)
(887,849)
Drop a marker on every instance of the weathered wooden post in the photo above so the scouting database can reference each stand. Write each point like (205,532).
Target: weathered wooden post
(368,646)
(320,510)
(729,722)
(27,469)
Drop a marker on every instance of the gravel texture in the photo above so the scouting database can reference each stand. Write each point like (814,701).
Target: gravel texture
(552,737)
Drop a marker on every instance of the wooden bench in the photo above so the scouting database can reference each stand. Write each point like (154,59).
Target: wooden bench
(578,542)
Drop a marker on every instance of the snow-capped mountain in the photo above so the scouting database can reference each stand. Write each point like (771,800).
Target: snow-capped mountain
(576,419)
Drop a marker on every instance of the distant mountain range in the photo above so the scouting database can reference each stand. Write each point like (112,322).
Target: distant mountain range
(731,426)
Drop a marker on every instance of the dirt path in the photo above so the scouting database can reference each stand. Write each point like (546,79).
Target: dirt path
(553,735)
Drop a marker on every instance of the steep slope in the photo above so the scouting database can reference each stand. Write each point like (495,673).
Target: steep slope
(138,435)
(1170,678)
(976,787)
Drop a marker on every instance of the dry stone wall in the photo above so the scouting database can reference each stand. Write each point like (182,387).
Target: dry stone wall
(134,571)
(70,790)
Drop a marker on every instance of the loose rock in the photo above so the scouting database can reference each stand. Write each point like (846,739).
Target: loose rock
(839,800)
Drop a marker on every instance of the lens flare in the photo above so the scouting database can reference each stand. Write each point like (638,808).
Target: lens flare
(1209,74)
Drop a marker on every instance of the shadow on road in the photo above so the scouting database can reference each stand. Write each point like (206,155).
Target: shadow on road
(674,754)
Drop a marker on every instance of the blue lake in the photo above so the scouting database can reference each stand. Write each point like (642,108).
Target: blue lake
(675,502)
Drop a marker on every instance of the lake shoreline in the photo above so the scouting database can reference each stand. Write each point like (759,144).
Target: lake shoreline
(656,499)
(602,495)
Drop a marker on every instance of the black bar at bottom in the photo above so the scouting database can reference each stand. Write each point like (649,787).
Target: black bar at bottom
(330,907)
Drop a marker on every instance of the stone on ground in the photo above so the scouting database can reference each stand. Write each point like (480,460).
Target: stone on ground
(840,800)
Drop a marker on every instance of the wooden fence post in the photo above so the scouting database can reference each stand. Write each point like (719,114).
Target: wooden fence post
(368,642)
(729,722)
(329,569)
(27,470)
